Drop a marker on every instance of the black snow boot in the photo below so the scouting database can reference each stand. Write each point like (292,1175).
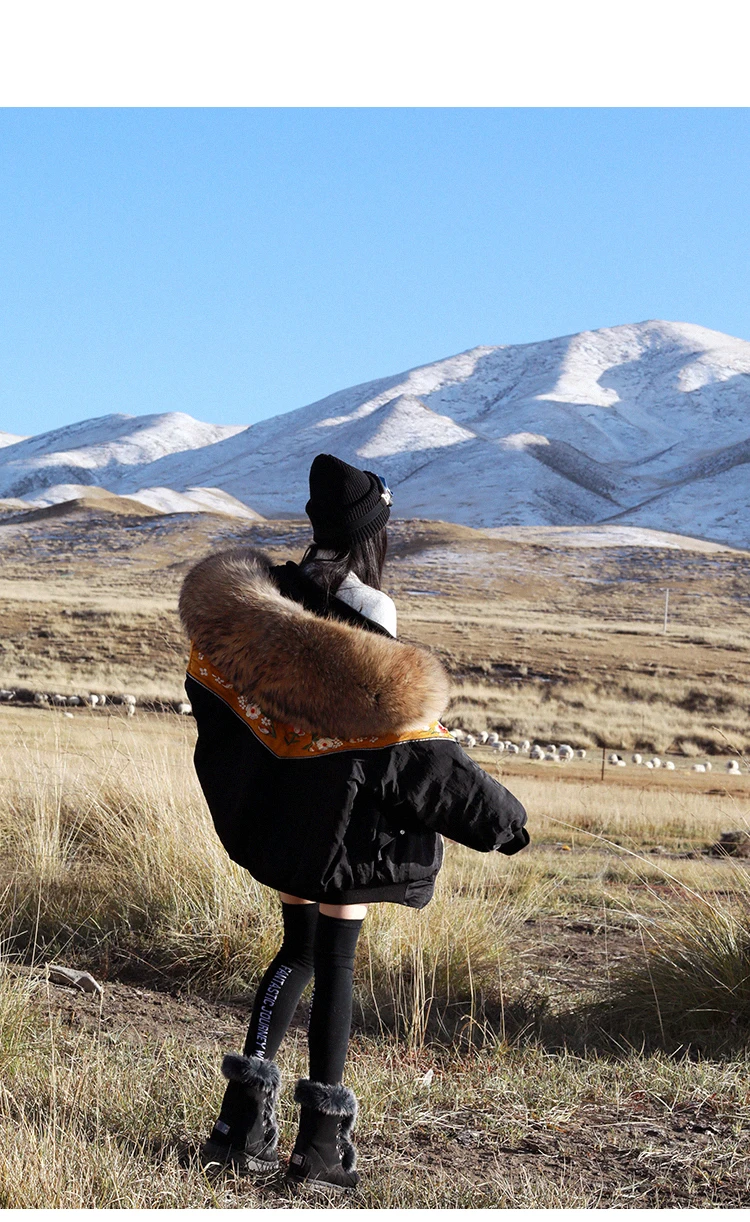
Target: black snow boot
(323,1155)
(246,1134)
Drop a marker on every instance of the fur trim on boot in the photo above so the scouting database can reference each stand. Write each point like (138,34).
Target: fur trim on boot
(324,1154)
(246,1134)
(251,1071)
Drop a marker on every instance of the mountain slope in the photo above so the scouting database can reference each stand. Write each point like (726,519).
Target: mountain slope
(647,423)
(98,451)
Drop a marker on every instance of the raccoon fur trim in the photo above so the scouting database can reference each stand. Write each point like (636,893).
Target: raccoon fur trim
(332,1100)
(321,675)
(251,1071)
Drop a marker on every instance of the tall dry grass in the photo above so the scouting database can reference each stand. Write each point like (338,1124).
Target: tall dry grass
(111,862)
(590,812)
(689,988)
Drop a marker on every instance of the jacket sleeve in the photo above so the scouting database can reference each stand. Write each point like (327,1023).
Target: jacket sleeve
(436,785)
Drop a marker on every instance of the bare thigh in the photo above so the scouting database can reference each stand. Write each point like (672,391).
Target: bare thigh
(345,912)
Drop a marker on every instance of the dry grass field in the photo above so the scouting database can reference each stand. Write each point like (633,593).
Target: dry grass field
(559,643)
(568,1027)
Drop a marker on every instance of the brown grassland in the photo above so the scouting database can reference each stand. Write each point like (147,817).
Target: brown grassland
(568,1027)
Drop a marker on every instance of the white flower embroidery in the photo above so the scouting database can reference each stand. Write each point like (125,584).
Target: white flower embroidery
(203,670)
(326,744)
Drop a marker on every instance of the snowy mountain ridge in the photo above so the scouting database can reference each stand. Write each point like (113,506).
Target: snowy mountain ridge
(646,424)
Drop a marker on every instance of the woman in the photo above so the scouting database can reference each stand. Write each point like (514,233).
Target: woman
(329,778)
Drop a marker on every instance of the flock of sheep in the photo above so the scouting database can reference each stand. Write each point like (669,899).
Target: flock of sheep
(552,753)
(90,700)
(563,753)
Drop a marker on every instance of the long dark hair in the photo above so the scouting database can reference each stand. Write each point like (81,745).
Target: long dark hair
(365,559)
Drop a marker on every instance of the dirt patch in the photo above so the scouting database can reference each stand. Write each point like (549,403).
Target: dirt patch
(141,1014)
(564,956)
(639,1155)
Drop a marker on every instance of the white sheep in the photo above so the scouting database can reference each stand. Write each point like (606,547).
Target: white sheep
(551,757)
(499,747)
(565,752)
(483,737)
(649,764)
(511,749)
(669,766)
(58,699)
(130,710)
(708,765)
(699,767)
(733,767)
(613,757)
(655,761)
(128,700)
(91,700)
(7,694)
(580,753)
(470,741)
(185,709)
(525,746)
(621,763)
(536,752)
(102,699)
(494,738)
(636,758)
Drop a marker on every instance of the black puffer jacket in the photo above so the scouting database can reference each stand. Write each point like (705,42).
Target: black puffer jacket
(279,678)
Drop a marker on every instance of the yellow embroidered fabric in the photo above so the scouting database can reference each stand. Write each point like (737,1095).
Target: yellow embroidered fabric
(284,740)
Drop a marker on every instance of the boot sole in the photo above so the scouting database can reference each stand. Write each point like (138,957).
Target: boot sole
(318,1186)
(213,1155)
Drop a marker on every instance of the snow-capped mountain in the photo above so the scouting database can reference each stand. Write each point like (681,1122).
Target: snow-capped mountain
(99,451)
(164,500)
(647,424)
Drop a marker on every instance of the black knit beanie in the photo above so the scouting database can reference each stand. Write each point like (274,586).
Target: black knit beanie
(346,505)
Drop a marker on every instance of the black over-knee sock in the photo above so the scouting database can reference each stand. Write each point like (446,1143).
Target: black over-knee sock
(331,1012)
(281,988)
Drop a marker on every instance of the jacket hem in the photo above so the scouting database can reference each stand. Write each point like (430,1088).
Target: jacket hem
(412,894)
(393,893)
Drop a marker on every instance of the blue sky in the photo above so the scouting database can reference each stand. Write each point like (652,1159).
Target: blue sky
(238,263)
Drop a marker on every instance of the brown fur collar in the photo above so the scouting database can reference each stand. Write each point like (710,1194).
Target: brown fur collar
(322,675)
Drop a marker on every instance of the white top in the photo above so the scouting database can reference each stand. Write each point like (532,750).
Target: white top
(374,604)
